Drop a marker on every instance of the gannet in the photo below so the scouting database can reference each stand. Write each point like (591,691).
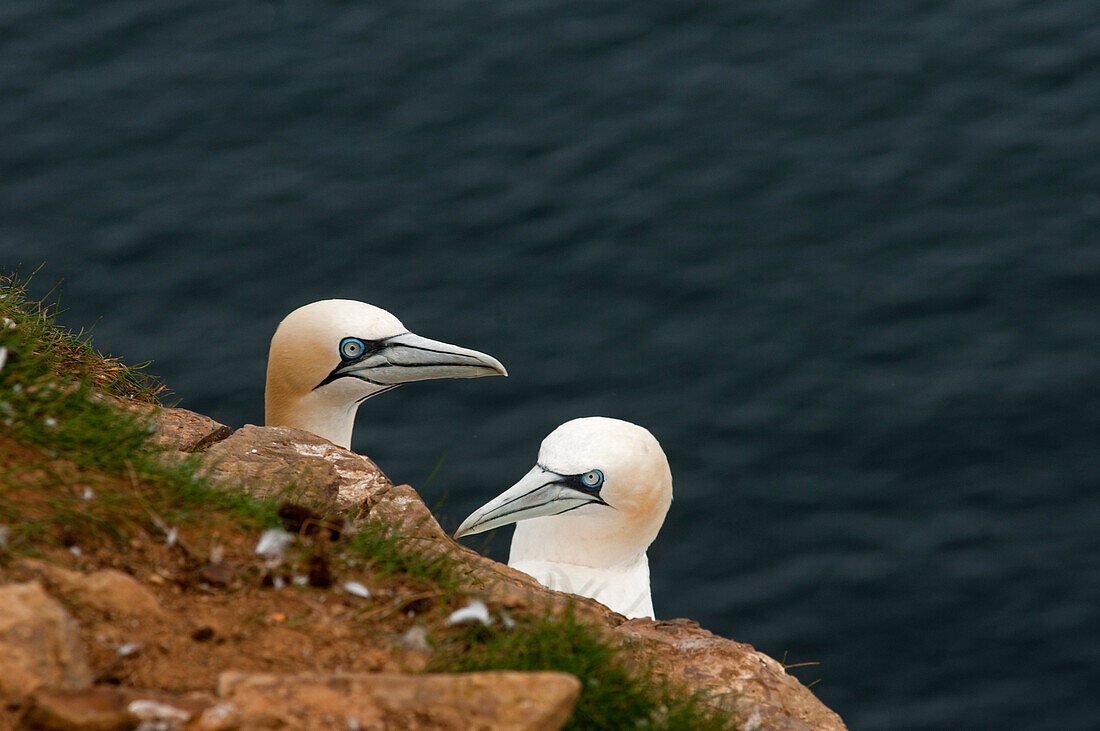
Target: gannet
(587,512)
(328,357)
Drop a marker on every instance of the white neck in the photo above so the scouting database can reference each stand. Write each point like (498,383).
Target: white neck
(594,554)
(600,540)
(329,415)
(623,588)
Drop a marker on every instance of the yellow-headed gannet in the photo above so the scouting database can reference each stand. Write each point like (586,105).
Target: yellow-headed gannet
(587,511)
(330,356)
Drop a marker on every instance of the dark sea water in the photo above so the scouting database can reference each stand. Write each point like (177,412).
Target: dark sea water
(841,258)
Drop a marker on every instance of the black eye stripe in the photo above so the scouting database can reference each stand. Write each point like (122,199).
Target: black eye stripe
(577,482)
(370,347)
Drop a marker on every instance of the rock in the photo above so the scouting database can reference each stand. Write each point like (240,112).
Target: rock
(753,686)
(110,708)
(222,717)
(150,705)
(158,713)
(486,700)
(107,590)
(277,461)
(39,643)
(416,638)
(94,709)
(186,431)
(217,574)
(401,508)
(176,430)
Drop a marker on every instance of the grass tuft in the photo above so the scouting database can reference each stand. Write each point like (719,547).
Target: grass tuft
(613,695)
(389,554)
(51,397)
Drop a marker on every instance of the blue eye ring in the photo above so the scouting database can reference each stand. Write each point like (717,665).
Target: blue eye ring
(592,478)
(351,348)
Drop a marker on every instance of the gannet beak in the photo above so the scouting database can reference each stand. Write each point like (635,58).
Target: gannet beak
(408,357)
(540,492)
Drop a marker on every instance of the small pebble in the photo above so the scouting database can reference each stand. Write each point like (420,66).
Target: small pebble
(128,649)
(220,716)
(148,710)
(475,611)
(273,543)
(416,638)
(357,589)
(203,633)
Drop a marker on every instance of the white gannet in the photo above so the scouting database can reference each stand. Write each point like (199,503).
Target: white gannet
(330,356)
(586,512)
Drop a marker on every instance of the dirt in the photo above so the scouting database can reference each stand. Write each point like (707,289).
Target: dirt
(218,615)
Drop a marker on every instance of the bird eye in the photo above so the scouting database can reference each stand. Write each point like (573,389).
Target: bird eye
(593,478)
(351,347)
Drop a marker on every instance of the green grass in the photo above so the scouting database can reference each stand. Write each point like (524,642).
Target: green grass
(390,554)
(613,695)
(51,388)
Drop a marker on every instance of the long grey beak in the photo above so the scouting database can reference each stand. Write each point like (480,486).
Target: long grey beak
(408,357)
(539,493)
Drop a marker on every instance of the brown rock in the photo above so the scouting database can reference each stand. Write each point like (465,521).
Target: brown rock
(94,709)
(489,700)
(192,703)
(111,709)
(221,717)
(401,508)
(753,686)
(108,590)
(175,429)
(186,431)
(277,461)
(39,643)
(217,574)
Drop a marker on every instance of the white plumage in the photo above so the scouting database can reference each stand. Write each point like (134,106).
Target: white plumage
(587,512)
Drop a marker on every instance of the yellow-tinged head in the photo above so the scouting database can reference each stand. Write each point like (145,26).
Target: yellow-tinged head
(328,357)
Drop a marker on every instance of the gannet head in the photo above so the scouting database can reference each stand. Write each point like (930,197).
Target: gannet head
(597,496)
(328,357)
